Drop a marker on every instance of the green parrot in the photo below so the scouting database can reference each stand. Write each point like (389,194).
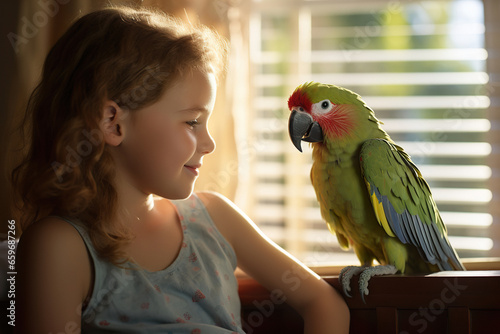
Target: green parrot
(371,195)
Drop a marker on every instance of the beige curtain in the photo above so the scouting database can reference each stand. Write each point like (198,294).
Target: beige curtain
(40,23)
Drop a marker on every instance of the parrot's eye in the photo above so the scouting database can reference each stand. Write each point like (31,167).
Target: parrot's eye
(322,107)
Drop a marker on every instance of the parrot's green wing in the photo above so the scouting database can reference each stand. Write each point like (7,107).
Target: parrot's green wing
(403,203)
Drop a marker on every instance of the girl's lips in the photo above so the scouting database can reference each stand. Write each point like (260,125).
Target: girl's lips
(193,169)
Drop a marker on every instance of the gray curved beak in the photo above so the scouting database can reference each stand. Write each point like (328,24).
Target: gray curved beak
(302,127)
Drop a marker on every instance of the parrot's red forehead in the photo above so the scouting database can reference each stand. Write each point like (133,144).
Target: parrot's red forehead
(299,99)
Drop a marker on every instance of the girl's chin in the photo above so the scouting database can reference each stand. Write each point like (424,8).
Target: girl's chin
(180,193)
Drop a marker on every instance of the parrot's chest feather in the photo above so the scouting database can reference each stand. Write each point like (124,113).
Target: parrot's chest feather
(332,156)
(337,179)
(341,192)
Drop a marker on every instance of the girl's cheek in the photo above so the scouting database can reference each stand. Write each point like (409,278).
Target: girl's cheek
(192,140)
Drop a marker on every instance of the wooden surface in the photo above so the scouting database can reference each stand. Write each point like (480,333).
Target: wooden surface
(445,302)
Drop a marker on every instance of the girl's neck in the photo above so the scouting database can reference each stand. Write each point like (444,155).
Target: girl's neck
(137,210)
(134,206)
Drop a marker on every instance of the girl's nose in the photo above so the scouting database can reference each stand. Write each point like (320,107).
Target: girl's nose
(206,143)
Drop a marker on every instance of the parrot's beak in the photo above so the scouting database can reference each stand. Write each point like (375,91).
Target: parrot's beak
(301,126)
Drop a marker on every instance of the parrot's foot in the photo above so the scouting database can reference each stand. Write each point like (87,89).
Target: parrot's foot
(368,273)
(345,277)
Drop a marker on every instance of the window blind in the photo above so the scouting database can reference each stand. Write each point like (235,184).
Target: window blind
(420,65)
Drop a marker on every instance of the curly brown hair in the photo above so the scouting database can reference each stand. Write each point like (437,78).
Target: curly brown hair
(127,55)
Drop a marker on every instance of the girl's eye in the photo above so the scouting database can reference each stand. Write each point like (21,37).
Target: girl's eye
(192,123)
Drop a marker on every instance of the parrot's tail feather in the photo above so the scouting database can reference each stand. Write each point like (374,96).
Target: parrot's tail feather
(449,259)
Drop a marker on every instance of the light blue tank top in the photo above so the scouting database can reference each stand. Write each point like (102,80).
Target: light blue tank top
(197,293)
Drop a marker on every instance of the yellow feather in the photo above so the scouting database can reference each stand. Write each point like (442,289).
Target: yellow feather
(379,212)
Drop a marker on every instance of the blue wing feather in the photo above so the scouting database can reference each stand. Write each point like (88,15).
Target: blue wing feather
(393,219)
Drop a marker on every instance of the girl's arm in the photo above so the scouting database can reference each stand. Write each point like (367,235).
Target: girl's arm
(323,309)
(53,278)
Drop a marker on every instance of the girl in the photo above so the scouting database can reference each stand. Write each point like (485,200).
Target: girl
(120,242)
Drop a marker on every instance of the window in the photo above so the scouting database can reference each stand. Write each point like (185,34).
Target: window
(422,66)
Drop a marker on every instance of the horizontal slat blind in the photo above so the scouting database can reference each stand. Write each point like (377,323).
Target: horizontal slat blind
(420,66)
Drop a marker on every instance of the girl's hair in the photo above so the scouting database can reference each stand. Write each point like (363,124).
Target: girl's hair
(130,56)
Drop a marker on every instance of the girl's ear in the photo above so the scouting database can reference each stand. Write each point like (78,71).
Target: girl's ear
(112,123)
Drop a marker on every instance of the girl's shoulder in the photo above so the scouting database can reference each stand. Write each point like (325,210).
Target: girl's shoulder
(52,264)
(214,201)
(228,218)
(52,232)
(54,247)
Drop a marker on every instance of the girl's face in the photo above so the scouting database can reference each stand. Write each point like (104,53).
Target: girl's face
(165,142)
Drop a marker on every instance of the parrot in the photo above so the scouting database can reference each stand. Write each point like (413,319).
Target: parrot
(370,193)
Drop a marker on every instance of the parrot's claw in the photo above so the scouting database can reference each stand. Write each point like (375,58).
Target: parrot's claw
(368,273)
(345,277)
